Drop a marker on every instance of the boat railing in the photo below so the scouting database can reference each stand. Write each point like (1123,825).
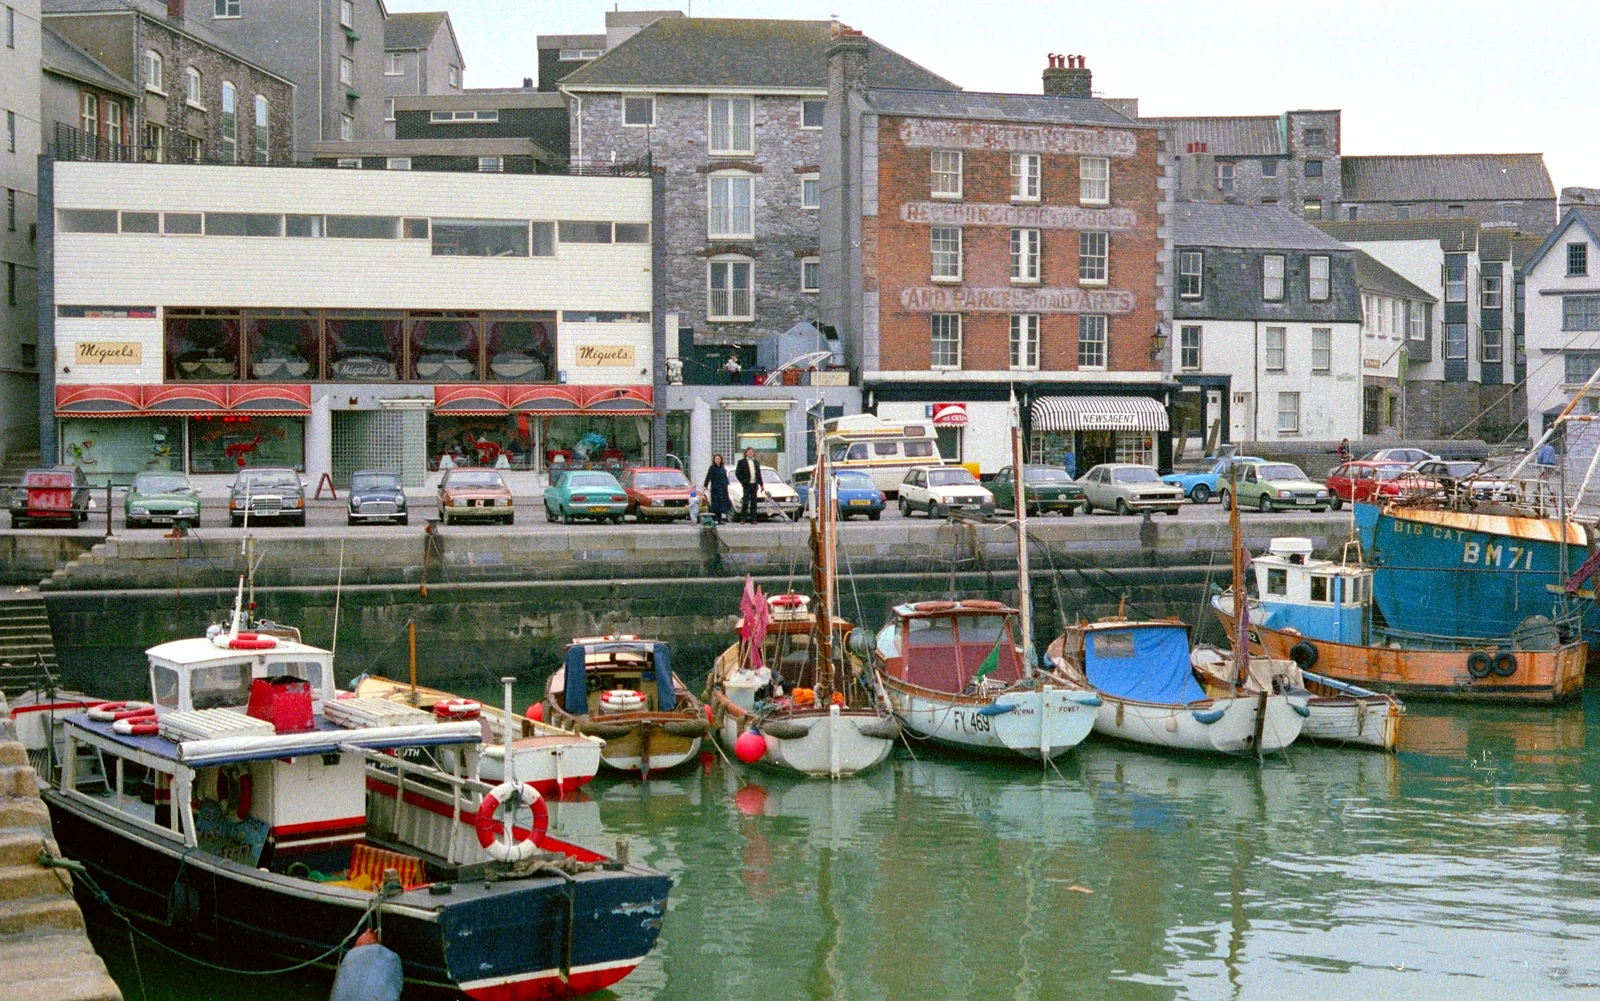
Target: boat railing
(1521,494)
(381,763)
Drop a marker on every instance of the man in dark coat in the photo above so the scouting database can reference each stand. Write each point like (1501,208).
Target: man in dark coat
(748,473)
(716,485)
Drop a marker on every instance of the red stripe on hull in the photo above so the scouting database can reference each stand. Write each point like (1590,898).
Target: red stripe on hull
(343,823)
(548,988)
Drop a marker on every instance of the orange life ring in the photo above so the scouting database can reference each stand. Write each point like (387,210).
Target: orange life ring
(457,709)
(110,712)
(136,726)
(490,828)
(933,606)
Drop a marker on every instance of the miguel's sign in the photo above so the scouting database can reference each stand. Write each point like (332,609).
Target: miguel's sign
(935,299)
(606,355)
(107,353)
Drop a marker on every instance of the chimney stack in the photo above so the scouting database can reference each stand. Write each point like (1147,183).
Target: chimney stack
(175,9)
(847,61)
(1067,76)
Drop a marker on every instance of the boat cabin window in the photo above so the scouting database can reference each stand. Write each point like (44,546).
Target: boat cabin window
(1321,588)
(1277,581)
(164,685)
(305,670)
(220,686)
(1112,646)
(946,653)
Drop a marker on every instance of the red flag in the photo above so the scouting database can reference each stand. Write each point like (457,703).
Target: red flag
(753,628)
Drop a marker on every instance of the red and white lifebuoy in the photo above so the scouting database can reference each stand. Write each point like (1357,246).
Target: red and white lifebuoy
(252,641)
(621,700)
(491,829)
(110,712)
(136,726)
(457,709)
(787,601)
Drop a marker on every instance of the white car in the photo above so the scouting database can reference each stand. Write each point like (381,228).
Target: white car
(1399,455)
(777,496)
(939,490)
(1125,487)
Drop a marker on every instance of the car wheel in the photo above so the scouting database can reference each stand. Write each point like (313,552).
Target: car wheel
(1088,508)
(874,515)
(1224,498)
(616,519)
(511,519)
(1122,507)
(549,515)
(349,519)
(1201,493)
(300,522)
(1335,502)
(405,519)
(905,512)
(1265,504)
(566,517)
(234,521)
(937,511)
(1068,511)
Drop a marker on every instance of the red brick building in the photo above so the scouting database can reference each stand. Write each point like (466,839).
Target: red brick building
(984,248)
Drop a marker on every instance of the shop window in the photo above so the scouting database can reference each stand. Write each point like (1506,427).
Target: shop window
(483,441)
(283,345)
(120,449)
(225,442)
(202,348)
(480,238)
(521,347)
(596,440)
(363,346)
(444,347)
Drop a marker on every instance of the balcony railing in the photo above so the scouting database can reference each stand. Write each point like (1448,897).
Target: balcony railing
(76,144)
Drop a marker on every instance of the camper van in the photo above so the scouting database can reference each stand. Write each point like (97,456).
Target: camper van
(881,449)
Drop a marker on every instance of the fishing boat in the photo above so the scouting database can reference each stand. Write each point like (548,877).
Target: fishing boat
(783,695)
(1320,614)
(235,816)
(622,690)
(1340,713)
(963,673)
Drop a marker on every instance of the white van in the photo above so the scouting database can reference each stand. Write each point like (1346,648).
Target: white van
(883,450)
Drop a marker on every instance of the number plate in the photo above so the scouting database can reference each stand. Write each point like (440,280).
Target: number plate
(860,503)
(598,509)
(1305,500)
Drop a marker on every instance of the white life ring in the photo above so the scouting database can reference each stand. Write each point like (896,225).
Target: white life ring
(136,726)
(491,830)
(110,712)
(621,700)
(457,709)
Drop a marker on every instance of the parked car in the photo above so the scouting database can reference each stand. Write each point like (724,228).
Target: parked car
(161,499)
(1267,486)
(1049,489)
(656,492)
(857,493)
(1405,455)
(54,496)
(1201,482)
(584,493)
(474,493)
(939,490)
(1368,481)
(270,493)
(377,495)
(779,497)
(1125,487)
(1473,477)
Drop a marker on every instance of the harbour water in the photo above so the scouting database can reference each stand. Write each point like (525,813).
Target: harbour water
(1467,866)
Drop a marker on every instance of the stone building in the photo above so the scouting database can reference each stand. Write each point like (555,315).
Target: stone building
(1393,311)
(421,56)
(1493,187)
(20,144)
(984,251)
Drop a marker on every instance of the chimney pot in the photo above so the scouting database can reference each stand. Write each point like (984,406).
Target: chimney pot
(1068,76)
(175,9)
(527,83)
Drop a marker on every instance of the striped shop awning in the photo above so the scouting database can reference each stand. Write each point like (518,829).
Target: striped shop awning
(1098,413)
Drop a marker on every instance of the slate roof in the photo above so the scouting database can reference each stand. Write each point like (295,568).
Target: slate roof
(1446,177)
(1225,136)
(686,52)
(570,42)
(1454,235)
(1579,196)
(1584,217)
(1251,227)
(412,30)
(1375,276)
(57,55)
(156,10)
(995,107)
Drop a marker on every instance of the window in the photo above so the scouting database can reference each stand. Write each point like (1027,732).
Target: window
(1352,212)
(348,163)
(1191,264)
(1319,588)
(1269,168)
(1269,201)
(945,243)
(188,223)
(730,207)
(1321,349)
(1025,255)
(11,210)
(1581,365)
(1094,180)
(1272,277)
(1417,318)
(113,132)
(946,332)
(1577,258)
(388,109)
(1394,316)
(578,55)
(811,191)
(1274,342)
(347,71)
(89,113)
(436,117)
(347,13)
(1025,340)
(1313,168)
(729,286)
(544,239)
(230,122)
(1315,137)
(243,224)
(1491,345)
(1189,348)
(1455,211)
(490,164)
(811,114)
(1455,341)
(1455,283)
(810,274)
(585,232)
(455,76)
(1580,312)
(397,163)
(11,28)
(1225,178)
(191,86)
(1277,581)
(1490,295)
(394,64)
(347,127)
(633,232)
(1313,208)
(152,70)
(1093,256)
(946,167)
(1402,212)
(1317,279)
(639,111)
(480,238)
(11,132)
(732,130)
(155,142)
(1092,341)
(1288,413)
(1024,177)
(261,129)
(86,220)
(1508,211)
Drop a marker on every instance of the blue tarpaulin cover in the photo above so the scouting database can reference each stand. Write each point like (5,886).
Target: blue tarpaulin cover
(1142,663)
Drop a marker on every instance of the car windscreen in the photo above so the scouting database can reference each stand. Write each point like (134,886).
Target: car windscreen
(1391,472)
(1279,471)
(956,477)
(147,484)
(588,481)
(1460,468)
(1135,475)
(670,480)
(375,481)
(855,481)
(255,481)
(1044,474)
(770,476)
(474,478)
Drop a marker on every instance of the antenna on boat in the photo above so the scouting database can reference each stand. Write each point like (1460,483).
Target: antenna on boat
(1024,583)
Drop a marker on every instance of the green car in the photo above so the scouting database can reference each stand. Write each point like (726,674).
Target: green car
(1049,488)
(584,493)
(161,499)
(1270,486)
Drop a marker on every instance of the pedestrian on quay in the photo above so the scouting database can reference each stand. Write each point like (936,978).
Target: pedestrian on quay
(1546,460)
(1069,462)
(694,506)
(749,475)
(716,484)
(1344,450)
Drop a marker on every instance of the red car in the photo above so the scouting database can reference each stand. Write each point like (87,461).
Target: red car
(1367,481)
(656,492)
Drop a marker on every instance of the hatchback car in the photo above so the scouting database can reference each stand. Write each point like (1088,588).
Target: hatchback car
(475,494)
(1367,482)
(1471,478)
(1202,482)
(377,495)
(777,496)
(51,496)
(584,493)
(1049,488)
(656,492)
(939,491)
(161,499)
(1406,455)
(857,492)
(267,494)
(1267,486)
(1127,487)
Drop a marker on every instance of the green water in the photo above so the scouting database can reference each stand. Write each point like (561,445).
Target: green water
(1467,866)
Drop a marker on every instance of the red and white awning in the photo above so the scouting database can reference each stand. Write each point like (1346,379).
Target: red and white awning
(255,399)
(950,415)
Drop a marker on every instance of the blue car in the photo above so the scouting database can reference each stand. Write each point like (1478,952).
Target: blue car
(1200,483)
(857,495)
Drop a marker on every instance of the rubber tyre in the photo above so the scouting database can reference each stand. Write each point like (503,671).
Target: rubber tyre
(1224,498)
(1264,504)
(616,519)
(905,512)
(1335,502)
(937,511)
(1201,494)
(1479,665)
(405,519)
(1504,665)
(566,518)
(1304,655)
(549,516)
(1088,508)
(1122,507)
(1069,511)
(234,521)
(300,522)
(511,519)
(874,515)
(349,519)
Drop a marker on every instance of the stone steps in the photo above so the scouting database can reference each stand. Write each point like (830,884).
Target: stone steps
(26,643)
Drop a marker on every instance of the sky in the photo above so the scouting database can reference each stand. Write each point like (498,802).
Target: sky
(1411,76)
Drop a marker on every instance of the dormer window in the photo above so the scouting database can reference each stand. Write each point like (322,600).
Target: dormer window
(1577,259)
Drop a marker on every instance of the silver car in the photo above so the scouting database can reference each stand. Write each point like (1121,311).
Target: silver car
(267,494)
(1124,487)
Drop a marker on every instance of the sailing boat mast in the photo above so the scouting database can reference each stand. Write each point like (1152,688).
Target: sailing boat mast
(1241,604)
(1024,584)
(822,545)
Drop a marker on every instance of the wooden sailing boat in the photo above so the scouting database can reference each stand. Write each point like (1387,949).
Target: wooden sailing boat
(781,696)
(963,673)
(622,689)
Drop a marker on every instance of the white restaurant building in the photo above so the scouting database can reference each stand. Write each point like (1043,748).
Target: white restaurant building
(202,318)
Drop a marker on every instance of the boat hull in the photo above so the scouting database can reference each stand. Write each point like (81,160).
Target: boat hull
(832,746)
(648,748)
(1362,722)
(1036,725)
(1181,727)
